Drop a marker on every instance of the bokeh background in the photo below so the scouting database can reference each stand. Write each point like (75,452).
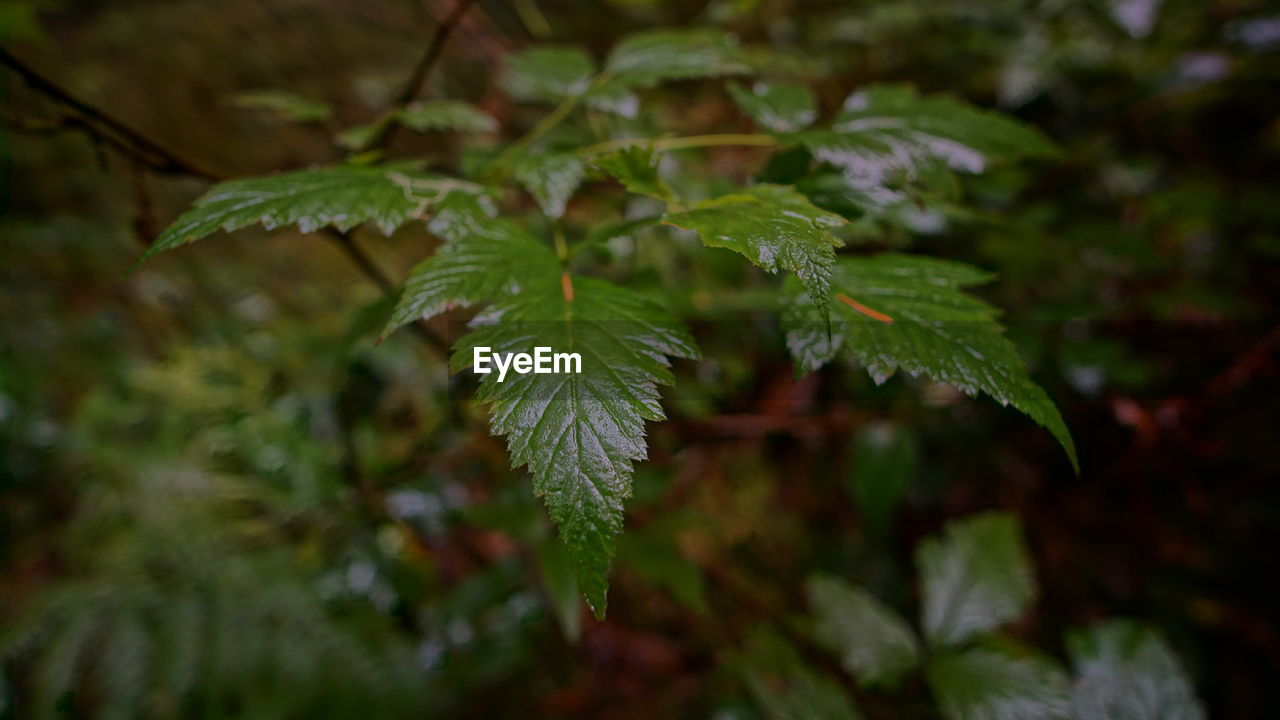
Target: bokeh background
(219,498)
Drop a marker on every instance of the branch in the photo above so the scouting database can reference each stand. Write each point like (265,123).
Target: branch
(347,244)
(418,80)
(97,122)
(103,127)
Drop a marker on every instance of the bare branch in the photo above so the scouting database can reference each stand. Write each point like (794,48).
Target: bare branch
(103,126)
(418,80)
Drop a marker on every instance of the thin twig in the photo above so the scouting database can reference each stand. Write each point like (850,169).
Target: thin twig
(418,80)
(347,244)
(98,122)
(102,127)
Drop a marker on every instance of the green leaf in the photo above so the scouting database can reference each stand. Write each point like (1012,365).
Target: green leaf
(552,179)
(288,105)
(340,197)
(775,227)
(449,115)
(493,259)
(904,311)
(956,129)
(579,433)
(974,578)
(980,684)
(637,169)
(1126,671)
(785,687)
(888,134)
(884,466)
(548,74)
(648,58)
(427,116)
(874,643)
(781,108)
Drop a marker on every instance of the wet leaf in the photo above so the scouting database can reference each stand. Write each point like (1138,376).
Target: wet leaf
(890,136)
(1126,671)
(979,684)
(774,227)
(548,74)
(903,311)
(781,108)
(872,641)
(637,169)
(491,260)
(340,197)
(551,178)
(974,578)
(579,433)
(648,58)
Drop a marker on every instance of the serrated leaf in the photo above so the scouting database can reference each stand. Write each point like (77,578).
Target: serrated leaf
(288,105)
(548,73)
(637,169)
(579,433)
(904,311)
(974,578)
(494,259)
(781,108)
(890,134)
(340,197)
(446,115)
(785,687)
(552,179)
(648,58)
(460,214)
(883,468)
(774,227)
(1126,671)
(981,684)
(873,642)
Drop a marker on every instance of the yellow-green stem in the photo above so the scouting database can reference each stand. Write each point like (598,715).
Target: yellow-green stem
(562,246)
(681,143)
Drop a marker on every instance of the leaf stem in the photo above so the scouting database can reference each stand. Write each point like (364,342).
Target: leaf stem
(562,247)
(681,143)
(545,125)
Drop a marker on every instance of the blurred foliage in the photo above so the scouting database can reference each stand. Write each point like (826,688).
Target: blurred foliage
(220,499)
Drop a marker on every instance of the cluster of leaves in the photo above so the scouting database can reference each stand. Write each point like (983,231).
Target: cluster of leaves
(579,434)
(974,578)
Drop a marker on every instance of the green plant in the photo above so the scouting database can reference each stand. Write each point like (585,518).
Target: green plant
(887,148)
(974,579)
